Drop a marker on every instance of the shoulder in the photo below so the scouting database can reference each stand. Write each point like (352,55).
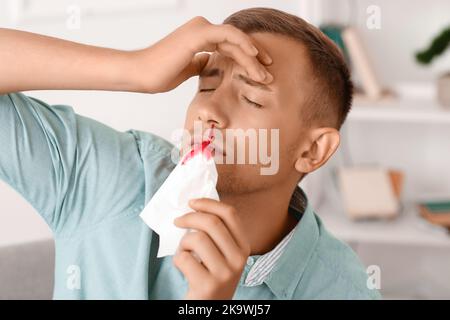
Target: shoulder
(150,142)
(158,157)
(334,272)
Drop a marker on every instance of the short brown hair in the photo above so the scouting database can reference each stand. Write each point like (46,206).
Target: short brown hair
(333,98)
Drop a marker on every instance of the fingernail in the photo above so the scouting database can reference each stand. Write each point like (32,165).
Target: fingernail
(262,75)
(254,50)
(269,77)
(268,59)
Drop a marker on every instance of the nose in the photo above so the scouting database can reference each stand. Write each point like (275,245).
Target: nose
(212,112)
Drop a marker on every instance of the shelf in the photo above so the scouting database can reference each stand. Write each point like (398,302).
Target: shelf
(409,111)
(408,229)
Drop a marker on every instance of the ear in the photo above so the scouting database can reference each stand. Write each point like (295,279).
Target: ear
(323,142)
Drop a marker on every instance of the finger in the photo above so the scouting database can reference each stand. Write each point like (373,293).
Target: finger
(252,66)
(228,33)
(194,68)
(203,246)
(199,62)
(238,37)
(190,267)
(227,214)
(196,65)
(263,56)
(217,231)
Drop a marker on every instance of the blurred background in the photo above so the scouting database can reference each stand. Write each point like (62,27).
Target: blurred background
(386,192)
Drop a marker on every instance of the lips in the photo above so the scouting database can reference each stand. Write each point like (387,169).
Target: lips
(213,147)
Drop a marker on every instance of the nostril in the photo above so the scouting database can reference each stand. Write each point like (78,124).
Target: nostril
(211,133)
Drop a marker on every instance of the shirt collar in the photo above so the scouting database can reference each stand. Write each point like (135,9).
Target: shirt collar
(289,268)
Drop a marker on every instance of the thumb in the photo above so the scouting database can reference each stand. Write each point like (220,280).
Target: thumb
(197,64)
(194,68)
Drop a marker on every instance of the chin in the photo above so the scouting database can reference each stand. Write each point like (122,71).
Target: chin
(239,179)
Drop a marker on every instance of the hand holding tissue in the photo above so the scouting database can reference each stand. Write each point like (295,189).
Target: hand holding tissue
(195,176)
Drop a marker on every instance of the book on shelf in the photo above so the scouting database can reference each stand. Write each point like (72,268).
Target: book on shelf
(370,191)
(436,212)
(357,56)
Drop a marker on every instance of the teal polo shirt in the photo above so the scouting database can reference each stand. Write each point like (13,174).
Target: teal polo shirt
(90,182)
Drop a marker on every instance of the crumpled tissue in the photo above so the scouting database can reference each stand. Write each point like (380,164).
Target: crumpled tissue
(195,176)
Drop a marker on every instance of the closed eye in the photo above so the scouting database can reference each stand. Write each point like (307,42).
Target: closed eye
(253,103)
(247,100)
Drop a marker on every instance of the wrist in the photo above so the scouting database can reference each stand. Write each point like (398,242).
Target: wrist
(136,74)
(125,72)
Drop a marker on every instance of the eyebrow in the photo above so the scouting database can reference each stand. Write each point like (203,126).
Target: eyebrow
(216,72)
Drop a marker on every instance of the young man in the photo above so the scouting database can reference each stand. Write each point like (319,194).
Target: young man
(262,240)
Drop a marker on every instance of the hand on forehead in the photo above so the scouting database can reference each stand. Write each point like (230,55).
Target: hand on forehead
(255,66)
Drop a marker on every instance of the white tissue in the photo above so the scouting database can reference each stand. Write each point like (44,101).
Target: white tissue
(196,178)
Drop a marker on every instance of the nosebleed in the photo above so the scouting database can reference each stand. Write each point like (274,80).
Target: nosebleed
(195,176)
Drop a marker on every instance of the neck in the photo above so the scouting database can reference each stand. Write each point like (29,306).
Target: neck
(265,216)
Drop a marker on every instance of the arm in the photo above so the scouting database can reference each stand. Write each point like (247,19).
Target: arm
(61,64)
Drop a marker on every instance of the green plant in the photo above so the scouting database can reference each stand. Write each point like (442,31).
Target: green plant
(436,48)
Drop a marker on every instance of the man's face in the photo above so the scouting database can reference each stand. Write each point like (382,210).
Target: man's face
(228,99)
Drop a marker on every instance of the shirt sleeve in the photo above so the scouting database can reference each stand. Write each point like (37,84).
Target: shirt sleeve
(74,171)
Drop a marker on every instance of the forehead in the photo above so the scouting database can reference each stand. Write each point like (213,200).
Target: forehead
(291,66)
(290,57)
